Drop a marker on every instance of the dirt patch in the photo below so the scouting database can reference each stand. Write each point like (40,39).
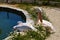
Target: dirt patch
(54,16)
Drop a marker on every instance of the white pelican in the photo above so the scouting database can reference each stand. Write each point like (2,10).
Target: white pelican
(24,27)
(44,23)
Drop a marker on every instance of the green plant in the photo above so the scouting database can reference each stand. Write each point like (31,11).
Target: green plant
(42,34)
(43,31)
(0,31)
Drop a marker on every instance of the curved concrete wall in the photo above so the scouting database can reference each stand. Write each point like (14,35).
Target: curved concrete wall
(20,13)
(24,13)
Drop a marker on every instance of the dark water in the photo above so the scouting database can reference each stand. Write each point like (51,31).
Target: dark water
(7,21)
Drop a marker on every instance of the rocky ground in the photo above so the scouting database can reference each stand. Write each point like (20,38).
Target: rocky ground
(54,16)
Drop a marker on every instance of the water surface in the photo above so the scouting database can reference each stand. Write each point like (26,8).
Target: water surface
(7,21)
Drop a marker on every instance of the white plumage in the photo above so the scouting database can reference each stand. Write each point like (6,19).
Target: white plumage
(24,26)
(47,24)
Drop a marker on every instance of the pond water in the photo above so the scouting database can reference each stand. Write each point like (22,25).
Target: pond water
(7,21)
